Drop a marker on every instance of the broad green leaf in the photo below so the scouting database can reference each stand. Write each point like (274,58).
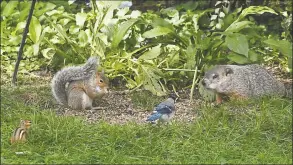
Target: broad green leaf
(83,38)
(80,19)
(253,56)
(48,53)
(239,59)
(237,43)
(71,2)
(152,80)
(109,7)
(73,29)
(157,31)
(2,27)
(121,12)
(103,37)
(89,36)
(284,46)
(9,8)
(24,11)
(64,21)
(196,19)
(49,6)
(121,31)
(205,43)
(28,52)
(131,83)
(170,12)
(60,30)
(190,55)
(118,65)
(54,12)
(237,26)
(152,53)
(3,4)
(57,40)
(20,25)
(173,57)
(256,10)
(43,7)
(35,29)
(190,5)
(14,40)
(135,14)
(36,48)
(161,23)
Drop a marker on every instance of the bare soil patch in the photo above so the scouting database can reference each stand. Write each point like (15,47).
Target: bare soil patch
(118,108)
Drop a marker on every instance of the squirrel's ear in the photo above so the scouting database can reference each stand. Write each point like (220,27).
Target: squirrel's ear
(103,71)
(228,71)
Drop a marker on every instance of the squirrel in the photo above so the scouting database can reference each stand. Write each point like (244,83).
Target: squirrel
(242,82)
(77,86)
(81,93)
(20,133)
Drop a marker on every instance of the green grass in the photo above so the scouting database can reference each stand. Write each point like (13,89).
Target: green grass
(255,131)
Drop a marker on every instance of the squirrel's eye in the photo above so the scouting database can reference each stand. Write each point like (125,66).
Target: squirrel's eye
(101,81)
(215,76)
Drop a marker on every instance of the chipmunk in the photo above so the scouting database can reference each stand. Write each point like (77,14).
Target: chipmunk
(20,133)
(77,86)
(242,82)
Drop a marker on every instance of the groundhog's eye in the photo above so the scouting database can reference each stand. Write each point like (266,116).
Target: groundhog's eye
(101,81)
(215,76)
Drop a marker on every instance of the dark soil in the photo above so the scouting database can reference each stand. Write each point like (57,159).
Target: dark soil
(118,108)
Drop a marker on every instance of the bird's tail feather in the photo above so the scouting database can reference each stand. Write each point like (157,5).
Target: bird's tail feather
(154,117)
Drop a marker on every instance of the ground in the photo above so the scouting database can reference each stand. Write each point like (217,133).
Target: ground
(119,107)
(257,131)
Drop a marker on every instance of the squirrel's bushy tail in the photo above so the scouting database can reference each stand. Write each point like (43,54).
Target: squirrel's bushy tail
(71,74)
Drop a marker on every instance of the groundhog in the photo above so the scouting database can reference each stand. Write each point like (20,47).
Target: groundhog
(243,82)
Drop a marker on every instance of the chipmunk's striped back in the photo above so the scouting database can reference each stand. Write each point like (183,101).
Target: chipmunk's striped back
(20,133)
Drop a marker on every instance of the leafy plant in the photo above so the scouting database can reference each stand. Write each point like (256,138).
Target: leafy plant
(13,15)
(159,51)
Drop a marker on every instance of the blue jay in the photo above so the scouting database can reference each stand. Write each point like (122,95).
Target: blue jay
(164,111)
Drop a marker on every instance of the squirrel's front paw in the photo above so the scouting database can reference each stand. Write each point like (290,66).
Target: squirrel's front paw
(98,89)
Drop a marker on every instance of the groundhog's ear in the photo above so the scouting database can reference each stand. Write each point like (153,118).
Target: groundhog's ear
(228,71)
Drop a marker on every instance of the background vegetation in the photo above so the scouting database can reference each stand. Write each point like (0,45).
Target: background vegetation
(157,50)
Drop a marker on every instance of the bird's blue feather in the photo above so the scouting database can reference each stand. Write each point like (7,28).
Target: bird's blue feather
(163,109)
(154,117)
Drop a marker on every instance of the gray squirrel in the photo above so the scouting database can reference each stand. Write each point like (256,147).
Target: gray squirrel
(77,86)
(243,81)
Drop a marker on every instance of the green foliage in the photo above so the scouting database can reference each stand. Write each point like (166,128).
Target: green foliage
(13,20)
(153,50)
